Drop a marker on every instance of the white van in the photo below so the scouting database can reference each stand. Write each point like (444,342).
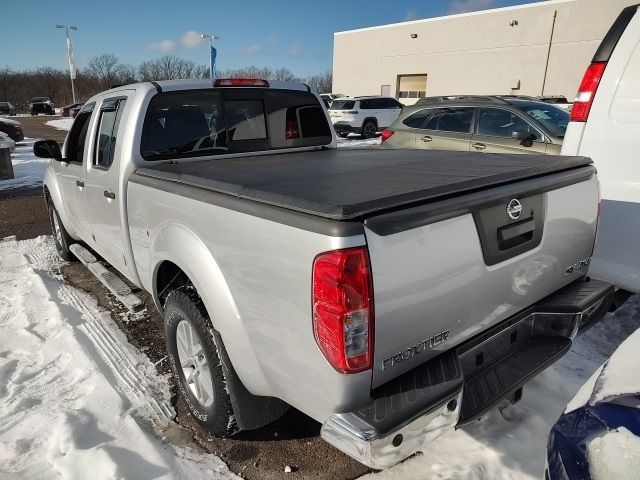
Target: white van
(605,125)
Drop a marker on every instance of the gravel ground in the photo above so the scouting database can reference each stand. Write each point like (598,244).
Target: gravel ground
(294,440)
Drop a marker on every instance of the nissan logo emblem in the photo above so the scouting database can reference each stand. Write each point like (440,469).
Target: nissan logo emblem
(514,209)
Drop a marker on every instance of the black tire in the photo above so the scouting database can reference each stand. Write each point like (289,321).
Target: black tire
(369,129)
(60,236)
(185,305)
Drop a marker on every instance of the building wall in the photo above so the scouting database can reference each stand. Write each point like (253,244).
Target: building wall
(478,53)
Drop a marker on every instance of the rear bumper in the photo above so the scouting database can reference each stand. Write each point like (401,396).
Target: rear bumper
(459,385)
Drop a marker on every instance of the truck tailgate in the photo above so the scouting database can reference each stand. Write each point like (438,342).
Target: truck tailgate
(448,270)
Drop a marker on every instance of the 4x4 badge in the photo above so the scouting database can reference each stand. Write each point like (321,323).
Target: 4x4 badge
(514,209)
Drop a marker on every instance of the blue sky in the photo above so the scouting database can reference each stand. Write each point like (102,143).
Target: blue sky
(294,34)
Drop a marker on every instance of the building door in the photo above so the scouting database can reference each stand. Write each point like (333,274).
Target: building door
(385,90)
(411,88)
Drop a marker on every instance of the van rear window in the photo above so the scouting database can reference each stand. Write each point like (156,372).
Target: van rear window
(193,123)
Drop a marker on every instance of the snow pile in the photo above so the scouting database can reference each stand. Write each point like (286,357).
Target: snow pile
(27,168)
(614,456)
(61,123)
(357,142)
(509,442)
(76,400)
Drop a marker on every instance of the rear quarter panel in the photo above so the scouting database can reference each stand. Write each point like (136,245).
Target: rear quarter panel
(254,276)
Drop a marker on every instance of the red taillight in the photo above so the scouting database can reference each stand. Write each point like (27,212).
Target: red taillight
(587,92)
(386,134)
(292,131)
(240,82)
(342,308)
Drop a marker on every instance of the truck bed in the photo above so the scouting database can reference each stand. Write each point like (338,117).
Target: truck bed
(347,184)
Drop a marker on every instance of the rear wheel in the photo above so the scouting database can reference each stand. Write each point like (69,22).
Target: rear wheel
(60,236)
(195,362)
(369,129)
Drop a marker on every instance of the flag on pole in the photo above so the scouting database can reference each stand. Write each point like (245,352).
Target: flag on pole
(72,68)
(214,53)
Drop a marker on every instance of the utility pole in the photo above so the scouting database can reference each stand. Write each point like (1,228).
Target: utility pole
(72,68)
(546,65)
(211,38)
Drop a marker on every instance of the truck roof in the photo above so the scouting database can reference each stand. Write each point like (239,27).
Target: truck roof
(347,184)
(191,84)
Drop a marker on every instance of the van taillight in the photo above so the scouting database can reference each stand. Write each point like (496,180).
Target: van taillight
(292,131)
(342,308)
(587,92)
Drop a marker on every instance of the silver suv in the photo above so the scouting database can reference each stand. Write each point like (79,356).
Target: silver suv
(492,124)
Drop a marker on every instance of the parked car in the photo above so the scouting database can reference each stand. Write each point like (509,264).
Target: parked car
(598,435)
(7,142)
(363,115)
(605,125)
(487,124)
(41,105)
(274,257)
(7,108)
(66,111)
(73,112)
(328,98)
(12,128)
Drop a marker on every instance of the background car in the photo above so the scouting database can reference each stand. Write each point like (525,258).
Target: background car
(491,124)
(328,98)
(73,112)
(363,115)
(41,105)
(12,128)
(598,435)
(66,111)
(7,108)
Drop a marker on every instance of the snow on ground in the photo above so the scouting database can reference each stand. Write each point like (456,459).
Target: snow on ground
(27,168)
(61,123)
(357,142)
(509,443)
(77,401)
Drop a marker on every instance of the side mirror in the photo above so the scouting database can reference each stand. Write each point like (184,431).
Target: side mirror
(525,138)
(47,149)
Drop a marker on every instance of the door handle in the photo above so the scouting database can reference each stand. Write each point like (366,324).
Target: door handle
(79,183)
(109,194)
(479,146)
(426,138)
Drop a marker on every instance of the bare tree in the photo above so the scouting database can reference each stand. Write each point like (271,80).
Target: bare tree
(322,83)
(8,84)
(170,67)
(106,70)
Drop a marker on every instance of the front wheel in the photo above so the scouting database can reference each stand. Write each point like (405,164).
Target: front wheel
(60,236)
(369,129)
(195,362)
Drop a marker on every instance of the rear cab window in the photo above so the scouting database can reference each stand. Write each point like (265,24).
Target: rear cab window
(193,123)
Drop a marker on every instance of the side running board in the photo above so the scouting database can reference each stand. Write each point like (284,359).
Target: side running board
(116,286)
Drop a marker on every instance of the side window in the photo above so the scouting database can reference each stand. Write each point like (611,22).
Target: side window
(110,114)
(366,105)
(495,122)
(78,135)
(455,119)
(421,119)
(391,103)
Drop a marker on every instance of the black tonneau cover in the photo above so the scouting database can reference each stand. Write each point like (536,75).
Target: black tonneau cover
(345,184)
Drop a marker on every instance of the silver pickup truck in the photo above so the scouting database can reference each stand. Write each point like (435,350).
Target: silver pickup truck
(388,294)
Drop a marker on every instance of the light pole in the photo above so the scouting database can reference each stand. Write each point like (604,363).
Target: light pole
(211,38)
(72,69)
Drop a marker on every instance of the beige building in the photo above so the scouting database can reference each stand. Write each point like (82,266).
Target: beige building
(536,49)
